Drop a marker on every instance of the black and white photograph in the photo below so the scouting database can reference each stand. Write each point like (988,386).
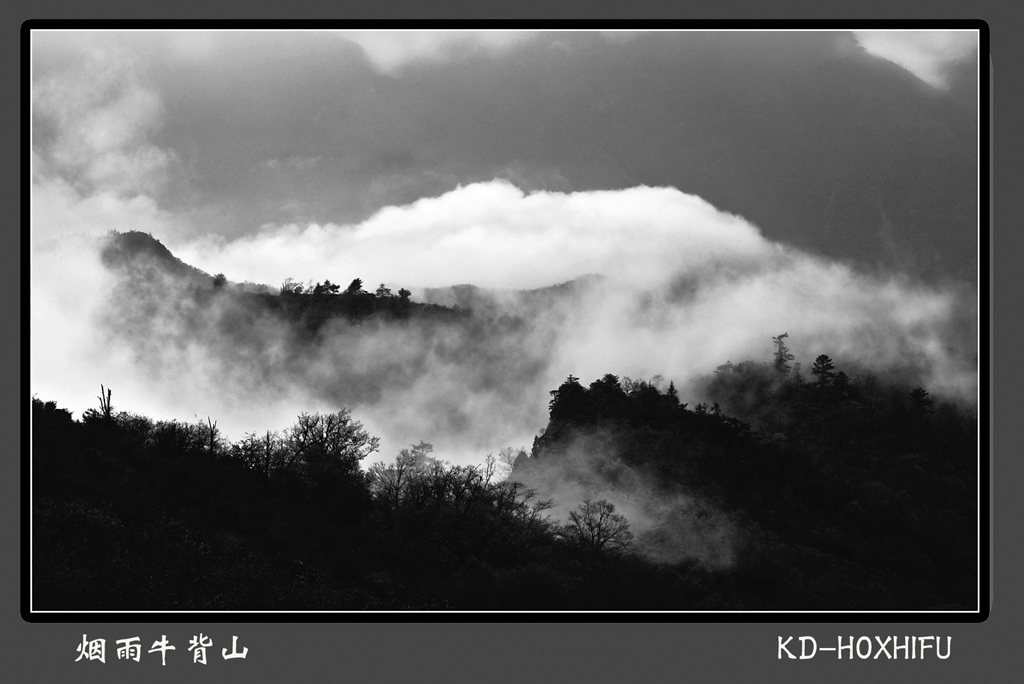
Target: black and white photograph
(651,320)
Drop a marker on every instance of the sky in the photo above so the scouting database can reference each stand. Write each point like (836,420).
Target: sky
(228,133)
(506,160)
(926,54)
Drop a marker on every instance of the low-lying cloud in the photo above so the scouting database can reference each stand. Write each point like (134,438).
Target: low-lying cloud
(494,235)
(668,525)
(683,288)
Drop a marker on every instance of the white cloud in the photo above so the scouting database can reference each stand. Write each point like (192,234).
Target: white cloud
(495,235)
(94,121)
(389,51)
(95,165)
(686,288)
(924,53)
(57,208)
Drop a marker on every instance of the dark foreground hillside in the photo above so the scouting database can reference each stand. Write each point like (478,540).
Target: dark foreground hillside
(857,497)
(852,494)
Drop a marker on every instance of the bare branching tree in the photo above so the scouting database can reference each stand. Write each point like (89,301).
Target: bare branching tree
(318,443)
(266,453)
(174,438)
(105,407)
(390,482)
(595,526)
(211,436)
(105,414)
(507,460)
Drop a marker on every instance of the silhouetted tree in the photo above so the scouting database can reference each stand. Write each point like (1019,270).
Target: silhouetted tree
(823,369)
(105,413)
(389,482)
(134,425)
(219,281)
(326,288)
(920,401)
(49,409)
(608,383)
(332,441)
(782,355)
(105,405)
(290,286)
(265,453)
(673,393)
(569,400)
(210,435)
(421,452)
(841,382)
(173,440)
(507,459)
(355,287)
(595,526)
(383,291)
(605,397)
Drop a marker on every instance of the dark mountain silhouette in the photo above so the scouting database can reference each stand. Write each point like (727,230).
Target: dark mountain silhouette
(862,488)
(842,493)
(345,347)
(141,260)
(140,255)
(862,497)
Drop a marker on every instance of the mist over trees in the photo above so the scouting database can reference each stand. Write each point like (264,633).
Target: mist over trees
(783,494)
(779,472)
(458,363)
(336,346)
(525,397)
(751,488)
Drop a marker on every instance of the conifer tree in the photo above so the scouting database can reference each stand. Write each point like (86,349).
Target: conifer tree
(782,355)
(824,370)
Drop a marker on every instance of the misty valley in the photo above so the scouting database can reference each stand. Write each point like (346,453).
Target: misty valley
(833,479)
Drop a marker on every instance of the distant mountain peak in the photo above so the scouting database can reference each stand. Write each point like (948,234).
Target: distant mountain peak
(135,251)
